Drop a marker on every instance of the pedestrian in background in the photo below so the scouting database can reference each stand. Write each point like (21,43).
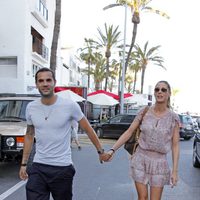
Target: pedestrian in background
(74,133)
(159,135)
(49,122)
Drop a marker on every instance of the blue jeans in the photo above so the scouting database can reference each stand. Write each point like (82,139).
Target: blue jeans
(45,179)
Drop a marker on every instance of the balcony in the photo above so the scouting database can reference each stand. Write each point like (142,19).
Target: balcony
(40,50)
(41,13)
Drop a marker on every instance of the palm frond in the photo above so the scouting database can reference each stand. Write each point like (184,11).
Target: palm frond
(163,14)
(112,5)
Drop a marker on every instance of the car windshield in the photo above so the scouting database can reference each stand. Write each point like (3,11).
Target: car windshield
(122,119)
(116,119)
(187,119)
(127,119)
(13,109)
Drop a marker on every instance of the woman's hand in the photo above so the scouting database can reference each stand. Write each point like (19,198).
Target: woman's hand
(107,156)
(174,178)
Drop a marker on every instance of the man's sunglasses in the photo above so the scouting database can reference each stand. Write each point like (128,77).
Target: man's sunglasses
(160,89)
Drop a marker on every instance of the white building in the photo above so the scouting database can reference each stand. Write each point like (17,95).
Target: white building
(71,72)
(25,43)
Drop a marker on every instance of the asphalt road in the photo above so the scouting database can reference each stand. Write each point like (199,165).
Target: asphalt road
(108,181)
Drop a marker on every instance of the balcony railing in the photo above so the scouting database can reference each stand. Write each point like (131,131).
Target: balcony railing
(42,9)
(40,48)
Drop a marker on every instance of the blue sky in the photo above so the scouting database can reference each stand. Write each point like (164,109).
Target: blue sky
(178,37)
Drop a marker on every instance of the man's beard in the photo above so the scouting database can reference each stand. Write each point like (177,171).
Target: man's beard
(48,95)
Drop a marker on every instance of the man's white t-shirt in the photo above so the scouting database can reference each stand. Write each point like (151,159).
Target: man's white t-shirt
(52,125)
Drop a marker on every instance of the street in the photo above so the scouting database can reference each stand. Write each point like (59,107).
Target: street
(108,181)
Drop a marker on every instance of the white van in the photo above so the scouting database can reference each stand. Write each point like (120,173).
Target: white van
(13,124)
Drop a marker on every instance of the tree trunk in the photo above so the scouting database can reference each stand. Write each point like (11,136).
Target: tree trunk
(107,73)
(56,32)
(142,78)
(97,86)
(88,74)
(136,21)
(135,80)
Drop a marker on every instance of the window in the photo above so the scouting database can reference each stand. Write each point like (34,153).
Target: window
(127,118)
(116,119)
(35,68)
(8,67)
(70,76)
(13,108)
(8,60)
(42,9)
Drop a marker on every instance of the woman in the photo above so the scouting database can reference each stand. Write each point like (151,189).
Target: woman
(159,135)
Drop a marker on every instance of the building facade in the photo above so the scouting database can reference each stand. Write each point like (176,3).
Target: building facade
(71,74)
(25,43)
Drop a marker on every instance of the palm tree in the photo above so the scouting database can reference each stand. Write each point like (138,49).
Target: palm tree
(108,40)
(114,72)
(174,92)
(87,55)
(146,56)
(135,68)
(56,32)
(136,6)
(129,81)
(98,72)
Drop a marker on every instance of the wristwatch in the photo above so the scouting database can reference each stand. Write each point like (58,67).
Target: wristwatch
(23,164)
(100,151)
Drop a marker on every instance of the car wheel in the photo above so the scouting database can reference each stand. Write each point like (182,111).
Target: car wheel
(99,132)
(187,138)
(195,160)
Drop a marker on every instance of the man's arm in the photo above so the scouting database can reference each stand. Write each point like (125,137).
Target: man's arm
(85,125)
(28,143)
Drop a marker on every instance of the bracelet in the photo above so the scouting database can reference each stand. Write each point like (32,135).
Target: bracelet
(101,151)
(23,165)
(112,150)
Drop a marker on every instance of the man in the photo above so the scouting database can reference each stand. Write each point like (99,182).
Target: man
(49,123)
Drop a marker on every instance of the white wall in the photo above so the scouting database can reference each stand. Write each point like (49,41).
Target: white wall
(12,41)
(16,20)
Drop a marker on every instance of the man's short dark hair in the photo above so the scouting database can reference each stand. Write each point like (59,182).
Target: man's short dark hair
(45,69)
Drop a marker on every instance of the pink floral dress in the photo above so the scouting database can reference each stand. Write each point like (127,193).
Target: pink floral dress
(149,163)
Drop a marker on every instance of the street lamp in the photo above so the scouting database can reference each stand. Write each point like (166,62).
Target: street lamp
(123,66)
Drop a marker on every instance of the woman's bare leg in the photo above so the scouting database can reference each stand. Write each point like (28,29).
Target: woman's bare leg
(156,193)
(142,191)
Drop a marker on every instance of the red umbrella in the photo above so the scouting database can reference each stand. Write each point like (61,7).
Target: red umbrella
(115,96)
(126,95)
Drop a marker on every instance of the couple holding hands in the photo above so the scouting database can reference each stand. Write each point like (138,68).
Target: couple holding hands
(49,124)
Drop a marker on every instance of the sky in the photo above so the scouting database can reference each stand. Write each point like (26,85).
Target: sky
(178,37)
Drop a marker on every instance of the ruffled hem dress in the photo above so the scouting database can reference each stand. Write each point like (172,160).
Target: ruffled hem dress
(149,163)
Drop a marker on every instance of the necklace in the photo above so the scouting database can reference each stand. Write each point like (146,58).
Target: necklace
(47,106)
(47,114)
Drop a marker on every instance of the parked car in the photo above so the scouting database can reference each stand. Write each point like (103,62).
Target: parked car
(187,129)
(196,150)
(13,125)
(115,126)
(196,119)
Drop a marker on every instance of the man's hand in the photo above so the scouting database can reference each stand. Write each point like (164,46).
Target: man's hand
(22,173)
(106,156)
(103,157)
